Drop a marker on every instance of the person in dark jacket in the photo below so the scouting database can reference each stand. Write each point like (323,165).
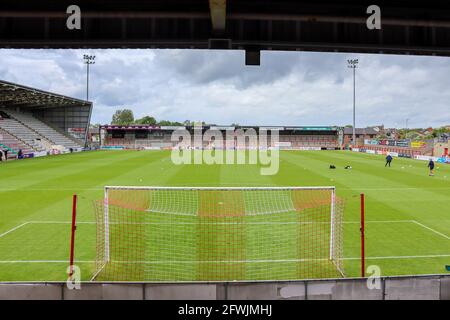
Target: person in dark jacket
(20,154)
(6,154)
(388,160)
(431,166)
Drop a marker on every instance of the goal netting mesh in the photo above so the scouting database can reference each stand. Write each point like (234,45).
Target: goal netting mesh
(218,234)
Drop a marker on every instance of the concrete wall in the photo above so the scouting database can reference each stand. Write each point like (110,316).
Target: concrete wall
(439,148)
(435,287)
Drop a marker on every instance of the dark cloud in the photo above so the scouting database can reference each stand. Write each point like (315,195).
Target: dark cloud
(291,88)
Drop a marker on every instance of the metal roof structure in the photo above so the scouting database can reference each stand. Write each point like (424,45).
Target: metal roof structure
(408,27)
(15,95)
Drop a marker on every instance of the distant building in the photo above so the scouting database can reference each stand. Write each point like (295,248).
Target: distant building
(94,136)
(392,133)
(441,148)
(361,135)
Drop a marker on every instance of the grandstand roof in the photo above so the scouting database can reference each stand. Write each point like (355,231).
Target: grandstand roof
(16,95)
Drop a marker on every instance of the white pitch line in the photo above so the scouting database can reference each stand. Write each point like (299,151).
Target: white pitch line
(381,221)
(49,189)
(40,261)
(250,223)
(40,222)
(241,261)
(13,229)
(61,222)
(396,189)
(432,230)
(188,223)
(401,257)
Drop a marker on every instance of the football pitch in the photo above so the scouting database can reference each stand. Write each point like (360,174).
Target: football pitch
(407,212)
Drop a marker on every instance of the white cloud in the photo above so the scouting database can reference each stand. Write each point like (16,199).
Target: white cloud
(289,88)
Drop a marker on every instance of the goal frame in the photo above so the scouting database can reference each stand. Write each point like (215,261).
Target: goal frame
(106,211)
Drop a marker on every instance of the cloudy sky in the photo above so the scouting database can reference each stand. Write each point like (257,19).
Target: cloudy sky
(289,88)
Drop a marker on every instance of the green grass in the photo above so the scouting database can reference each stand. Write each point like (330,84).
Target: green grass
(407,212)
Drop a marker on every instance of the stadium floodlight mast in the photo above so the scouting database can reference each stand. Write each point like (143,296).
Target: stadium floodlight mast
(88,60)
(353,64)
(406,128)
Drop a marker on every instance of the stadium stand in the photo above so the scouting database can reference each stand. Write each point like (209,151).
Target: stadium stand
(135,137)
(24,133)
(13,144)
(319,141)
(44,130)
(41,122)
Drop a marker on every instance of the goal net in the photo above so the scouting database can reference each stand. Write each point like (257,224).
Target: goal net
(218,234)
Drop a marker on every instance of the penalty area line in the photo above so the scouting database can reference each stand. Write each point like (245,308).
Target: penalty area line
(431,229)
(401,257)
(61,222)
(242,261)
(183,223)
(41,222)
(41,261)
(14,229)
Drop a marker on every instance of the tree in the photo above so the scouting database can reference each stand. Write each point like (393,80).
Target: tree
(146,120)
(412,135)
(169,123)
(123,117)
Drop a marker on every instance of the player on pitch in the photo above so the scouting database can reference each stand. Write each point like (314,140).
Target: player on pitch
(388,160)
(431,166)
